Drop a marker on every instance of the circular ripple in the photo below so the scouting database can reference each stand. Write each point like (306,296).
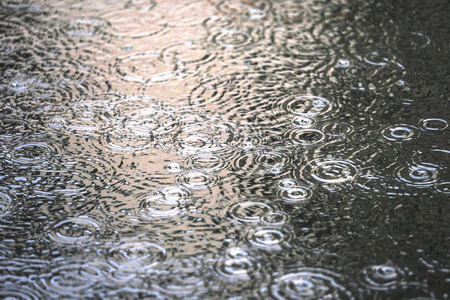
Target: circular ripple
(208,162)
(400,133)
(167,201)
(443,187)
(286,183)
(144,23)
(252,10)
(5,204)
(182,277)
(70,278)
(147,68)
(78,230)
(309,283)
(260,161)
(419,175)
(188,52)
(330,171)
(295,194)
(87,116)
(173,167)
(84,28)
(217,22)
(250,212)
(127,138)
(238,263)
(136,256)
(204,134)
(31,153)
(155,120)
(17,291)
(186,13)
(307,106)
(197,180)
(381,277)
(434,124)
(305,137)
(267,238)
(236,38)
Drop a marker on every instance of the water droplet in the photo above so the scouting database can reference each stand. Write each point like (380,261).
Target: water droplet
(303,122)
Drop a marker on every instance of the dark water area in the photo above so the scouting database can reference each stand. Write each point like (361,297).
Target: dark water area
(245,149)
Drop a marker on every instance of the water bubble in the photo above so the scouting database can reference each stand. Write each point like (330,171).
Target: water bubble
(79,230)
(381,277)
(309,283)
(399,133)
(434,124)
(173,167)
(330,170)
(136,256)
(197,180)
(286,183)
(419,175)
(167,201)
(306,106)
(303,122)
(295,195)
(305,137)
(268,238)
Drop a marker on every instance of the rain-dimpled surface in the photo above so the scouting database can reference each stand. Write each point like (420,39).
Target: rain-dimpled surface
(212,149)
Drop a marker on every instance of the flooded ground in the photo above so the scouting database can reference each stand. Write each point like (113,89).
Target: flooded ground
(245,149)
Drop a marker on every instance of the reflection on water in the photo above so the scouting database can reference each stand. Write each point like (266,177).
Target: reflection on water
(236,149)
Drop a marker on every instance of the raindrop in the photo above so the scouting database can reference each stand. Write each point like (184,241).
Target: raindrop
(237,264)
(305,137)
(303,122)
(271,239)
(165,202)
(295,195)
(250,212)
(173,167)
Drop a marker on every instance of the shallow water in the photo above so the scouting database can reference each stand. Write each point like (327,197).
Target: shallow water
(205,149)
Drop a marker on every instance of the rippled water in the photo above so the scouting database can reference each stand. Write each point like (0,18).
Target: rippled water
(242,149)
